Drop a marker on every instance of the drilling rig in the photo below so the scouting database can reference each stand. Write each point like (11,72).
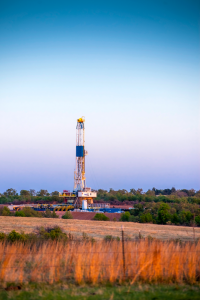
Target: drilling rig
(81,195)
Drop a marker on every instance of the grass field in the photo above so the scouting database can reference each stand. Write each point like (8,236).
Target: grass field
(102,262)
(99,229)
(138,292)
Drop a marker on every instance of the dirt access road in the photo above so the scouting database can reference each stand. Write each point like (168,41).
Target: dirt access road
(99,229)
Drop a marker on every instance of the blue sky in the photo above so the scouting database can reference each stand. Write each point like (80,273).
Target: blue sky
(132,68)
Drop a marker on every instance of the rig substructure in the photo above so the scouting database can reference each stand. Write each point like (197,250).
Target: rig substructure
(81,195)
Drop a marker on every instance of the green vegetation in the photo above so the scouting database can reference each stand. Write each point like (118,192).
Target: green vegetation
(28,212)
(168,206)
(4,211)
(67,215)
(125,217)
(109,238)
(31,196)
(114,197)
(128,292)
(185,214)
(52,233)
(101,217)
(154,195)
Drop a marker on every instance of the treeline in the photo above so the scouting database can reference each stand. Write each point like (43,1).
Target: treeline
(185,214)
(154,195)
(114,197)
(29,196)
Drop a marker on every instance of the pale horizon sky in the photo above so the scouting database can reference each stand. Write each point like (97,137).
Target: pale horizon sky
(132,68)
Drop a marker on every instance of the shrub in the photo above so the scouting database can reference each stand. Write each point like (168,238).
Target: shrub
(100,217)
(20,213)
(53,233)
(5,211)
(56,233)
(197,220)
(146,218)
(2,236)
(163,214)
(14,236)
(29,212)
(135,219)
(109,238)
(175,219)
(125,217)
(49,214)
(85,236)
(67,215)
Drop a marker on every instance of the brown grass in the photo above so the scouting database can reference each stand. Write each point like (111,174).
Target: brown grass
(98,229)
(97,262)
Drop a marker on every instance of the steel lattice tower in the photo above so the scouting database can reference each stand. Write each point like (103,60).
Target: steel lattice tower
(79,173)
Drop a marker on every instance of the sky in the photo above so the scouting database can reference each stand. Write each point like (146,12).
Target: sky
(131,68)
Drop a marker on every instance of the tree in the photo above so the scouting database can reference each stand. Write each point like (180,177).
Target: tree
(102,192)
(42,193)
(138,209)
(24,193)
(175,219)
(191,192)
(133,191)
(197,194)
(125,217)
(167,192)
(146,218)
(163,213)
(32,192)
(10,192)
(139,192)
(185,217)
(150,193)
(197,220)
(173,190)
(55,193)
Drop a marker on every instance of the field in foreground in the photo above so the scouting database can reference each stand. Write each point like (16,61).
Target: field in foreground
(99,229)
(138,292)
(100,262)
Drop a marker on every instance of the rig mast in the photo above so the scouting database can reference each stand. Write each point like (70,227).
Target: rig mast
(81,195)
(79,173)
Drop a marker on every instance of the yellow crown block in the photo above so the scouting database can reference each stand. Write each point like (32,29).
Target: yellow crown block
(81,120)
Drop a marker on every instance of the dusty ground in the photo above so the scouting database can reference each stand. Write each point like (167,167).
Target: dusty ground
(88,215)
(99,229)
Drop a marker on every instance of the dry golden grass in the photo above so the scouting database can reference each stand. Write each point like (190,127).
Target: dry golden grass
(97,262)
(98,229)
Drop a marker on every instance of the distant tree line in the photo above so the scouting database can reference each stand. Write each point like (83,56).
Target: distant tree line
(114,197)
(185,214)
(167,195)
(168,206)
(29,196)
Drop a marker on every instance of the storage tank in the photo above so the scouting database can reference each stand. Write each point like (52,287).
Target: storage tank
(84,204)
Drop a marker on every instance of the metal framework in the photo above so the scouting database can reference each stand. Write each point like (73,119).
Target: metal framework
(79,173)
(80,192)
